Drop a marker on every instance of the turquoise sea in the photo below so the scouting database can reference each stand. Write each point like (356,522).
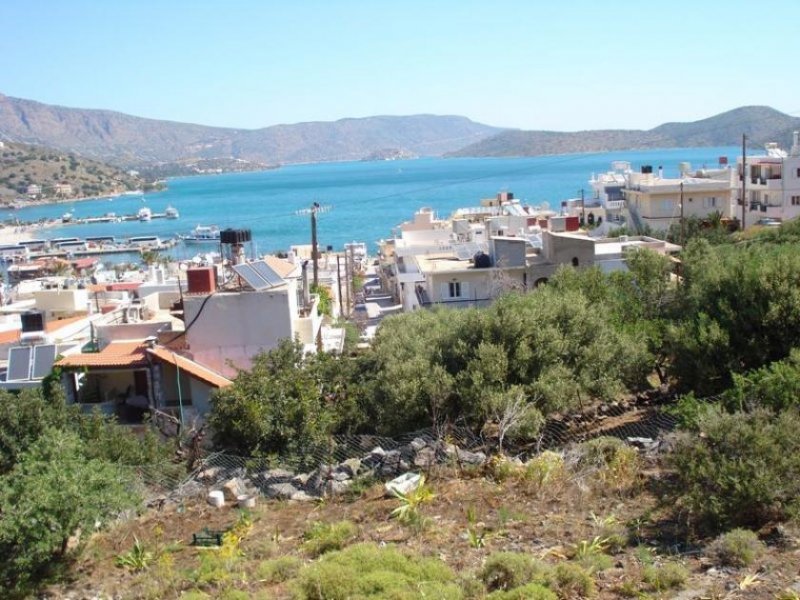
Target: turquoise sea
(366,199)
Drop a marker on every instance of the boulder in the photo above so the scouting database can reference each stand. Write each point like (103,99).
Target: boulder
(301,480)
(281,491)
(233,488)
(335,488)
(277,475)
(470,458)
(403,484)
(341,476)
(351,466)
(209,475)
(418,444)
(301,496)
(425,458)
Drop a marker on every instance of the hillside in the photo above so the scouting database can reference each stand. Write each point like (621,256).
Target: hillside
(128,140)
(58,175)
(761,124)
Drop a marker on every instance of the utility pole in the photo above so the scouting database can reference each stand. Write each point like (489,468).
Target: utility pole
(583,210)
(683,227)
(347,281)
(744,178)
(339,283)
(314,252)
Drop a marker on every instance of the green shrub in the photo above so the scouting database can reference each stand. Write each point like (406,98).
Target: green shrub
(278,570)
(324,537)
(234,595)
(669,576)
(508,570)
(368,571)
(531,591)
(614,464)
(543,469)
(744,470)
(572,581)
(737,548)
(194,595)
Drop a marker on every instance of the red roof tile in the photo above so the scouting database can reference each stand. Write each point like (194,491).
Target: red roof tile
(116,354)
(194,369)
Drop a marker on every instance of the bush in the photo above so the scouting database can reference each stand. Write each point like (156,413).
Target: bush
(325,537)
(737,548)
(531,591)
(669,576)
(508,570)
(367,571)
(615,465)
(544,469)
(53,491)
(744,470)
(278,570)
(572,581)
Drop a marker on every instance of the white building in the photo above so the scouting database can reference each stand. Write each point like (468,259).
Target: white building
(772,185)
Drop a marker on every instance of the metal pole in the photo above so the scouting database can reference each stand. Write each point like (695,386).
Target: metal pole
(683,228)
(314,252)
(744,179)
(347,275)
(583,210)
(339,283)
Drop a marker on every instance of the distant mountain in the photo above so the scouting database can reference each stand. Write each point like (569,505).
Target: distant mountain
(762,124)
(129,140)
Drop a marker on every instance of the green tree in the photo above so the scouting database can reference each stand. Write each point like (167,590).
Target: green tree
(53,492)
(277,406)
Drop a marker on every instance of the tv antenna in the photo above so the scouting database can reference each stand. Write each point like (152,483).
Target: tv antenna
(315,209)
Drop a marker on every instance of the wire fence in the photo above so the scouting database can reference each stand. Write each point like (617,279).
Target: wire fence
(337,467)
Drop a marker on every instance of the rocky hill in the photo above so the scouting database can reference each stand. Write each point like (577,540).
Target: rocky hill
(761,124)
(34,173)
(128,140)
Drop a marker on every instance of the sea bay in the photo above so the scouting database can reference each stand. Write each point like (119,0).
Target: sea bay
(365,199)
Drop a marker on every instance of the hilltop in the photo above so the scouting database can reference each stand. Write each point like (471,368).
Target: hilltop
(762,124)
(58,175)
(129,140)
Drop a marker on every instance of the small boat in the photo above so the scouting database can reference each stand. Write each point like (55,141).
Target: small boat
(202,234)
(144,214)
(66,217)
(171,212)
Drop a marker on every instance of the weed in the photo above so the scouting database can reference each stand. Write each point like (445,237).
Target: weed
(359,487)
(500,468)
(508,570)
(543,469)
(233,595)
(194,595)
(476,537)
(615,465)
(788,594)
(137,558)
(325,537)
(644,555)
(748,581)
(367,571)
(570,580)
(669,576)
(737,548)
(278,570)
(409,510)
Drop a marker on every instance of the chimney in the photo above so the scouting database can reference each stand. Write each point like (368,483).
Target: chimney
(660,172)
(795,151)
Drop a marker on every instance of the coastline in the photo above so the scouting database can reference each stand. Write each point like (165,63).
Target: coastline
(30,203)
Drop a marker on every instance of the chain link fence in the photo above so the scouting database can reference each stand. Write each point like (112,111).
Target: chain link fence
(346,460)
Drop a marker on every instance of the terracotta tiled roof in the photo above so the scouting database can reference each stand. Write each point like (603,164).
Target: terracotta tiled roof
(116,354)
(194,369)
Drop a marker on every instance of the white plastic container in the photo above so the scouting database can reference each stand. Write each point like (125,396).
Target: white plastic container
(216,498)
(246,501)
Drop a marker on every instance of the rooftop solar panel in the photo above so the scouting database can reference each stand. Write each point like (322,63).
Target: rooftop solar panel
(258,275)
(43,359)
(19,363)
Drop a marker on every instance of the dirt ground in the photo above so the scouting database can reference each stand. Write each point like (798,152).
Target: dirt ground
(511,515)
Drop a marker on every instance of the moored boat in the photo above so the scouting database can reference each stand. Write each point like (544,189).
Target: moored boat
(202,234)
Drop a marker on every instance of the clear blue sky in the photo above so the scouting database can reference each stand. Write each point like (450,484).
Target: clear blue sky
(562,65)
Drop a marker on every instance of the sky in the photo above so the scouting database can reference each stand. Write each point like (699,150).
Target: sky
(557,65)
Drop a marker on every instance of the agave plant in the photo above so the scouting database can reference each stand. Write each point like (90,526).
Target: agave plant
(410,502)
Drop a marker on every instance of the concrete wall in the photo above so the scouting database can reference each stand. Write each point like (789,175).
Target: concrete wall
(562,249)
(62,301)
(234,326)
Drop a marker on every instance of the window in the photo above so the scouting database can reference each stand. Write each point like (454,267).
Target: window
(797,174)
(709,202)
(575,261)
(454,289)
(795,200)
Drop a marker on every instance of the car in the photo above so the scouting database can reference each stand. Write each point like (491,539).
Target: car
(768,222)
